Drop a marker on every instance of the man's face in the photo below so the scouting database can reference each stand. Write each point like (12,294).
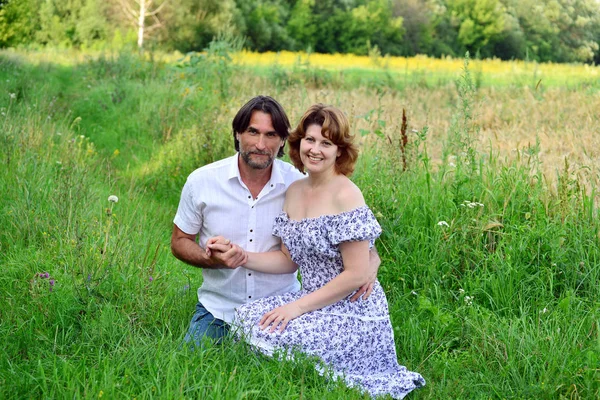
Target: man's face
(259,143)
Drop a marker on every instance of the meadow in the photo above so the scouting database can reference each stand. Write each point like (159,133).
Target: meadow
(487,195)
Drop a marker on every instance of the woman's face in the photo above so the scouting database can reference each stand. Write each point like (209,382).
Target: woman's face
(317,153)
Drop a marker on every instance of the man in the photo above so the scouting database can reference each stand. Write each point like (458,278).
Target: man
(237,200)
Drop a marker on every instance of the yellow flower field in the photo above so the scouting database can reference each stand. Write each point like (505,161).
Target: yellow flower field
(492,71)
(494,68)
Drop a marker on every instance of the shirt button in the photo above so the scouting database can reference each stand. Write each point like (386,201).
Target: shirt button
(271,185)
(251,230)
(249,297)
(249,274)
(249,197)
(250,239)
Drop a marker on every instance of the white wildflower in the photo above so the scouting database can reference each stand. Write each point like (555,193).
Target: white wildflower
(461,290)
(13,95)
(469,300)
(443,223)
(413,293)
(545,310)
(471,204)
(112,198)
(451,164)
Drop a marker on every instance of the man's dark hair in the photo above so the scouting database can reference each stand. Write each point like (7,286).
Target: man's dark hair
(267,105)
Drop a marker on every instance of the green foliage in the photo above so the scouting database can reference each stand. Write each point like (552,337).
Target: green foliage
(547,30)
(67,23)
(190,25)
(371,23)
(557,30)
(418,24)
(345,26)
(479,23)
(301,25)
(19,20)
(264,23)
(92,27)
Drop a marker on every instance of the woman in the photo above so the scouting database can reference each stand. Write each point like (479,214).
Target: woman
(327,230)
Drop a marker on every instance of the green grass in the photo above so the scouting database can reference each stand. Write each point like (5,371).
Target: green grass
(501,303)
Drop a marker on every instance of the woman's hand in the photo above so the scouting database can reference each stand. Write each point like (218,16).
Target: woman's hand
(279,317)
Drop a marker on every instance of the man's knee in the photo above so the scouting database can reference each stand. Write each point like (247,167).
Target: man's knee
(205,325)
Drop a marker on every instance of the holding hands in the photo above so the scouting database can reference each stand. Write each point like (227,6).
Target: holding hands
(222,251)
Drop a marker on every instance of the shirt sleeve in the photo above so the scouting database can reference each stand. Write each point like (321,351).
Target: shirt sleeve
(355,225)
(189,214)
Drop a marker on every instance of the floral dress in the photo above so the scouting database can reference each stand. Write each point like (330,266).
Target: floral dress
(354,339)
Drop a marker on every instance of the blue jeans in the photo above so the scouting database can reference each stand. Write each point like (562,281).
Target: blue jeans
(204,324)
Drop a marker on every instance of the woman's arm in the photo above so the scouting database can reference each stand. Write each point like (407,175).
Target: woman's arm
(355,256)
(365,290)
(273,262)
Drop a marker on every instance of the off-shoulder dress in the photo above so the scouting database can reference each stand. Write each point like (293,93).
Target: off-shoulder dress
(354,339)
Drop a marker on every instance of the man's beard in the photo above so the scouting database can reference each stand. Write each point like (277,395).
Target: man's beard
(257,164)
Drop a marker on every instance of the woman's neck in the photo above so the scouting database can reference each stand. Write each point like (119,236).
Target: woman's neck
(322,179)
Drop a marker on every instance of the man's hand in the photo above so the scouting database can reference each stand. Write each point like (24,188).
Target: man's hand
(218,240)
(279,317)
(365,290)
(222,251)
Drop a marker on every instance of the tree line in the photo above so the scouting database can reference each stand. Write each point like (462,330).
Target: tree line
(541,30)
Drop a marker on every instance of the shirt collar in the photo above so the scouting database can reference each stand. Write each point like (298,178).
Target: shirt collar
(234,169)
(276,175)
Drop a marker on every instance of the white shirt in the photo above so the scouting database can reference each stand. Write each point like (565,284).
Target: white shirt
(215,201)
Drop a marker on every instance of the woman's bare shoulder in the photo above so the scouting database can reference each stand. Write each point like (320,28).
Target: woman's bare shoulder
(348,196)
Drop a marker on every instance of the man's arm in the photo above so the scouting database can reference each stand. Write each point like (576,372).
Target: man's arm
(185,248)
(366,289)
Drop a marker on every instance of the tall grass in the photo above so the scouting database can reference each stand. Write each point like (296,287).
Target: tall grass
(491,266)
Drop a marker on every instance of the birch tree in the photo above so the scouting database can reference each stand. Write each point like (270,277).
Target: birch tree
(137,16)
